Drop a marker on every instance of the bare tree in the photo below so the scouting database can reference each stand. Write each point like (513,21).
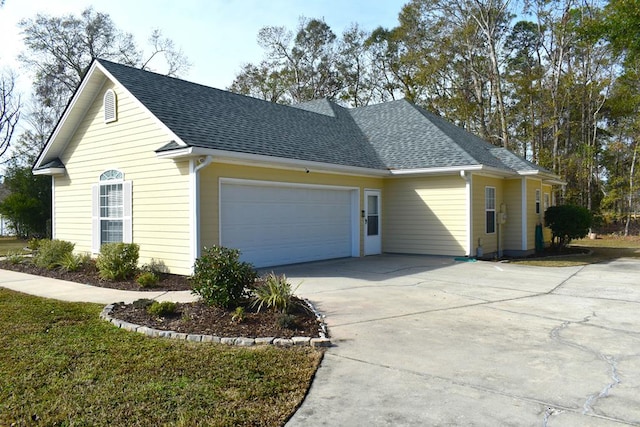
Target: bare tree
(9,110)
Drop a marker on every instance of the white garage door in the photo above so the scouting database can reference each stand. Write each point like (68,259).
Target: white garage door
(275,225)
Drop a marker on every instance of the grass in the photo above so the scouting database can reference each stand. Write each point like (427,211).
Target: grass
(11,244)
(602,250)
(61,365)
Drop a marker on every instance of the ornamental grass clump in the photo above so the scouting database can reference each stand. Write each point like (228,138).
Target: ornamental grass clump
(221,279)
(274,293)
(118,261)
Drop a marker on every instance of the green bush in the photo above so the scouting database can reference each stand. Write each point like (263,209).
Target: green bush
(220,278)
(286,321)
(51,253)
(567,222)
(274,292)
(73,262)
(161,309)
(147,279)
(118,261)
(142,303)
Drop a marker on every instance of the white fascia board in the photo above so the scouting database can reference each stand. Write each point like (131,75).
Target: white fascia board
(546,178)
(49,171)
(172,135)
(481,169)
(222,156)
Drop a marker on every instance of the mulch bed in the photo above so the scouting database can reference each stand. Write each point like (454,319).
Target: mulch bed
(191,318)
(88,275)
(198,318)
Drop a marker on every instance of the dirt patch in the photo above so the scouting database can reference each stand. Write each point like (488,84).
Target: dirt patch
(198,318)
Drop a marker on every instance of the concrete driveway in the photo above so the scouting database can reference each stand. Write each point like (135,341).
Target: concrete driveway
(430,341)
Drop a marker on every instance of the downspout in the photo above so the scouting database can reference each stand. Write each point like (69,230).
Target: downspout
(195,165)
(467,178)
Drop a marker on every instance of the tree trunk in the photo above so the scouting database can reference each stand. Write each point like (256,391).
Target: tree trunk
(633,165)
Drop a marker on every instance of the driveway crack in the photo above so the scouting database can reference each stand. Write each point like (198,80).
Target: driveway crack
(591,400)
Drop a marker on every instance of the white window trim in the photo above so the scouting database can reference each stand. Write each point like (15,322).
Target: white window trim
(110,97)
(127,223)
(537,205)
(487,209)
(546,201)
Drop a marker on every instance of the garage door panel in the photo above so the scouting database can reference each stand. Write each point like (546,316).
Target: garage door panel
(274,225)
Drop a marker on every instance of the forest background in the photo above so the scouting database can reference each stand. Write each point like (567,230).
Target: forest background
(560,87)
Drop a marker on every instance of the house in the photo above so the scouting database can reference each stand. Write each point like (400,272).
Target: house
(176,166)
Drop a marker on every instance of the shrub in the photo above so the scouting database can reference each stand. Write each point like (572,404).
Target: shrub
(118,261)
(147,279)
(220,278)
(567,222)
(161,309)
(142,303)
(73,262)
(51,253)
(286,321)
(274,293)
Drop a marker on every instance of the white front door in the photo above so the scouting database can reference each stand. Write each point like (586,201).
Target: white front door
(372,223)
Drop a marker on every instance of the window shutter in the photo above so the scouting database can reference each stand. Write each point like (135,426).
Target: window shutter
(95,218)
(127,223)
(110,107)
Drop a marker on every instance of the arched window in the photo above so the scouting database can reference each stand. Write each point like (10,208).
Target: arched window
(111,209)
(110,106)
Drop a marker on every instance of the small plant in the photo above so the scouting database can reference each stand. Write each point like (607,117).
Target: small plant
(286,321)
(118,261)
(147,279)
(275,293)
(51,253)
(162,309)
(73,262)
(142,303)
(15,257)
(34,244)
(156,267)
(238,315)
(220,278)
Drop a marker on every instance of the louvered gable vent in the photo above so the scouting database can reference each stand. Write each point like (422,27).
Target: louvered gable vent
(110,106)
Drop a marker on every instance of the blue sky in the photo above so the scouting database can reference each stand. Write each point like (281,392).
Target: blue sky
(218,36)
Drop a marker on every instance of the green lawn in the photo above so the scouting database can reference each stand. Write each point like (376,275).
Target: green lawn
(61,365)
(602,249)
(11,244)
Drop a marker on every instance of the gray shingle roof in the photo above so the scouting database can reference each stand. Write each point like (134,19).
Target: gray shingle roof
(392,135)
(210,118)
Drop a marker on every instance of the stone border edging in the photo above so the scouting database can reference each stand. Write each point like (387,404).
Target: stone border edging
(323,341)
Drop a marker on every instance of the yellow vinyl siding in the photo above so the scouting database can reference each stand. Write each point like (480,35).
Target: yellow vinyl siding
(489,241)
(161,222)
(210,185)
(425,216)
(513,226)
